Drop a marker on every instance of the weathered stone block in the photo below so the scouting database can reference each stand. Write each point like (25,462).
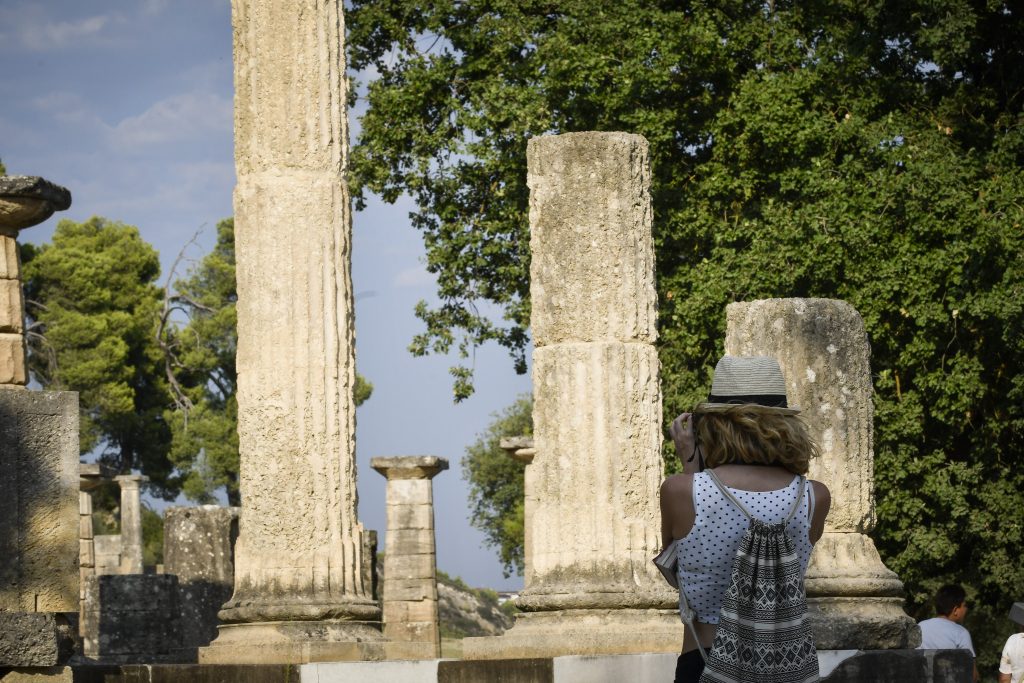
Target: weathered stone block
(9,264)
(504,670)
(34,639)
(131,617)
(409,589)
(38,501)
(199,549)
(412,541)
(12,359)
(410,567)
(12,313)
(902,666)
(592,264)
(410,517)
(409,492)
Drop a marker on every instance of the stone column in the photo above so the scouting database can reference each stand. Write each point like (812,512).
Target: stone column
(24,201)
(410,566)
(854,601)
(131,522)
(593,484)
(299,592)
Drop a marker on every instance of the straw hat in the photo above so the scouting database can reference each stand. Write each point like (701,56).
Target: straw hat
(747,380)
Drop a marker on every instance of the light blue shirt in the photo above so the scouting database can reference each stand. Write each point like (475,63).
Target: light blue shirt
(942,634)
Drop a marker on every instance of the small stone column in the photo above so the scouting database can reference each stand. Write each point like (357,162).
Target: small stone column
(592,488)
(854,601)
(131,522)
(410,566)
(299,592)
(24,201)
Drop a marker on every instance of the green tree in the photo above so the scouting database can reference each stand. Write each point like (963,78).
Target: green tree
(865,151)
(3,169)
(92,309)
(199,337)
(496,484)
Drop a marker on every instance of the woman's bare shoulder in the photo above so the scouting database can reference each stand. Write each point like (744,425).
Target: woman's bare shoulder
(821,493)
(677,483)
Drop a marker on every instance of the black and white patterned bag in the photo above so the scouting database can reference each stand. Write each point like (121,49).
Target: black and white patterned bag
(763,635)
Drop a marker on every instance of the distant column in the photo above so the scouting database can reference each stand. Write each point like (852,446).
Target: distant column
(854,600)
(410,557)
(592,488)
(299,593)
(131,522)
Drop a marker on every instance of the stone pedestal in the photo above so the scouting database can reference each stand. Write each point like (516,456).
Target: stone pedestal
(854,601)
(299,592)
(592,488)
(131,522)
(199,547)
(410,557)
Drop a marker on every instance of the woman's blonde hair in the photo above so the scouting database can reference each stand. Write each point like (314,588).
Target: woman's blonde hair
(754,434)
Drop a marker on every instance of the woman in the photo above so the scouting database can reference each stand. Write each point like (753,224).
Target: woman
(755,444)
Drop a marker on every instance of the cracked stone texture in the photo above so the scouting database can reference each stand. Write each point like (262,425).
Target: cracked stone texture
(38,501)
(131,617)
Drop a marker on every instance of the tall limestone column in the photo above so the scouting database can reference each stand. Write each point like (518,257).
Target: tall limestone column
(299,592)
(592,488)
(854,601)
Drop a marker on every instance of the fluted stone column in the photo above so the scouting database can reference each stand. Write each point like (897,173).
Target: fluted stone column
(131,522)
(592,487)
(299,592)
(854,601)
(410,557)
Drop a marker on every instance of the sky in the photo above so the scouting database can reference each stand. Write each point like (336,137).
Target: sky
(128,104)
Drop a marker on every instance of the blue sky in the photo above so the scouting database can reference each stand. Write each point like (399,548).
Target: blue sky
(128,104)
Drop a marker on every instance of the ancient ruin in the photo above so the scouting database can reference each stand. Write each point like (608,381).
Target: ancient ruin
(592,488)
(410,557)
(299,591)
(854,601)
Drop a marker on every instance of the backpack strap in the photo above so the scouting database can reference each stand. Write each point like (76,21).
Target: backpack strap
(732,499)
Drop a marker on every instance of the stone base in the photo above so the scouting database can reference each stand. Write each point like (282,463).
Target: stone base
(409,651)
(295,642)
(42,639)
(582,632)
(861,624)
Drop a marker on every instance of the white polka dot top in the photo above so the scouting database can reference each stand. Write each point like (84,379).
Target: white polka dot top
(706,553)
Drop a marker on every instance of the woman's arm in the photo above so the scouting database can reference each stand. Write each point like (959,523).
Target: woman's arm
(677,513)
(822,503)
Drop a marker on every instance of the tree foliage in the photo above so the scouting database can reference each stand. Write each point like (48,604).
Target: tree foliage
(496,484)
(92,308)
(200,367)
(866,151)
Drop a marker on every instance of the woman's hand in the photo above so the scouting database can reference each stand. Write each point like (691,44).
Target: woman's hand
(681,431)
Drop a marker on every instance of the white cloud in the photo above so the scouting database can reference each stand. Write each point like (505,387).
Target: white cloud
(175,118)
(414,277)
(50,35)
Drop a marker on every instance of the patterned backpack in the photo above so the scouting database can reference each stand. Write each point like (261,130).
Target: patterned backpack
(763,635)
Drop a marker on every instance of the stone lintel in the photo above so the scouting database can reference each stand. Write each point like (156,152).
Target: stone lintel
(92,475)
(130,480)
(409,466)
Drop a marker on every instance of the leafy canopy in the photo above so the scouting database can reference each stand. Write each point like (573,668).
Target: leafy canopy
(496,484)
(868,151)
(92,308)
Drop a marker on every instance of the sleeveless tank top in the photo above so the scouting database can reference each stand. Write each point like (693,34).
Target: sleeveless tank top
(706,553)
